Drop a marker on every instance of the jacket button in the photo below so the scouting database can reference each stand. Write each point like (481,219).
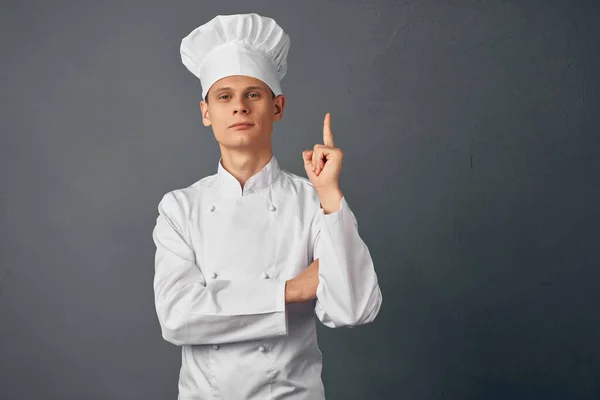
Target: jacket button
(212,208)
(261,349)
(272,207)
(264,275)
(216,346)
(214,275)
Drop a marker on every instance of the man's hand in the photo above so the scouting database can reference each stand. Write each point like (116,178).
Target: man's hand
(324,162)
(304,286)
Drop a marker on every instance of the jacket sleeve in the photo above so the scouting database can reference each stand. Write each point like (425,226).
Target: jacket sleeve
(192,311)
(348,293)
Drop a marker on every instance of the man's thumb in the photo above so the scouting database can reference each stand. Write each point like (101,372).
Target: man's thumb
(307,156)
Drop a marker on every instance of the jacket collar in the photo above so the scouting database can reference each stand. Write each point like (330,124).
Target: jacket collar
(231,187)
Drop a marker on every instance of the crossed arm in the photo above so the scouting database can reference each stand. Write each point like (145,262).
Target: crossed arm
(191,310)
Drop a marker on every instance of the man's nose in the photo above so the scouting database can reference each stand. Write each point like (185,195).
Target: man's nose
(241,107)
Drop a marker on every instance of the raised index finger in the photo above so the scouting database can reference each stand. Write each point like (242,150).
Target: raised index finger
(327,135)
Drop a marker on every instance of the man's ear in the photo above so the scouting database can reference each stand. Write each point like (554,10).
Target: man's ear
(278,106)
(204,111)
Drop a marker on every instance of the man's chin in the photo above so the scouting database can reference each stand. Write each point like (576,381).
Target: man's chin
(243,143)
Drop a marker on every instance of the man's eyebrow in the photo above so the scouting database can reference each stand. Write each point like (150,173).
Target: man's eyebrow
(248,88)
(255,88)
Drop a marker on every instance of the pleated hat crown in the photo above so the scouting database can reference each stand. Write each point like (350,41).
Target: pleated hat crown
(241,44)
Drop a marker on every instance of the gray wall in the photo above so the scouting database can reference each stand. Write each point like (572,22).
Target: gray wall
(471,134)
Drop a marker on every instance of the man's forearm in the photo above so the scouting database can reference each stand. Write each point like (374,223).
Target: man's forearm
(330,199)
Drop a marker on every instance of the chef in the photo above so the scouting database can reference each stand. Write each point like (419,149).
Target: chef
(247,259)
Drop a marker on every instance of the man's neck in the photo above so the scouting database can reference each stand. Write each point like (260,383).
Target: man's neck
(243,165)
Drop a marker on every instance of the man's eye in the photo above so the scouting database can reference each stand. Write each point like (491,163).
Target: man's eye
(251,94)
(223,96)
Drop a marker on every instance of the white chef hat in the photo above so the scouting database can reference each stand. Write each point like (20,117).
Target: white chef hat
(242,44)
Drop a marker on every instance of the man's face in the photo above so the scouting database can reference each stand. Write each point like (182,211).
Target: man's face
(237,99)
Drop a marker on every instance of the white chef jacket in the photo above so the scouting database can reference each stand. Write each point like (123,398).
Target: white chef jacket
(223,255)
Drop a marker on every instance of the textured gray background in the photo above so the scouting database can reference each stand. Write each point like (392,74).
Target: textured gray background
(470,130)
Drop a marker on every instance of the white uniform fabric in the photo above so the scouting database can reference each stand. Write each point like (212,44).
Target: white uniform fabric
(241,44)
(223,255)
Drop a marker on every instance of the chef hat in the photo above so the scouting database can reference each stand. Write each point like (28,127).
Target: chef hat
(242,44)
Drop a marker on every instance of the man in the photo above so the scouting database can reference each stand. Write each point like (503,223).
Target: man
(246,258)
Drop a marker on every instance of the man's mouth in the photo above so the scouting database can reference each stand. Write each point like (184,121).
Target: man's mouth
(242,125)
